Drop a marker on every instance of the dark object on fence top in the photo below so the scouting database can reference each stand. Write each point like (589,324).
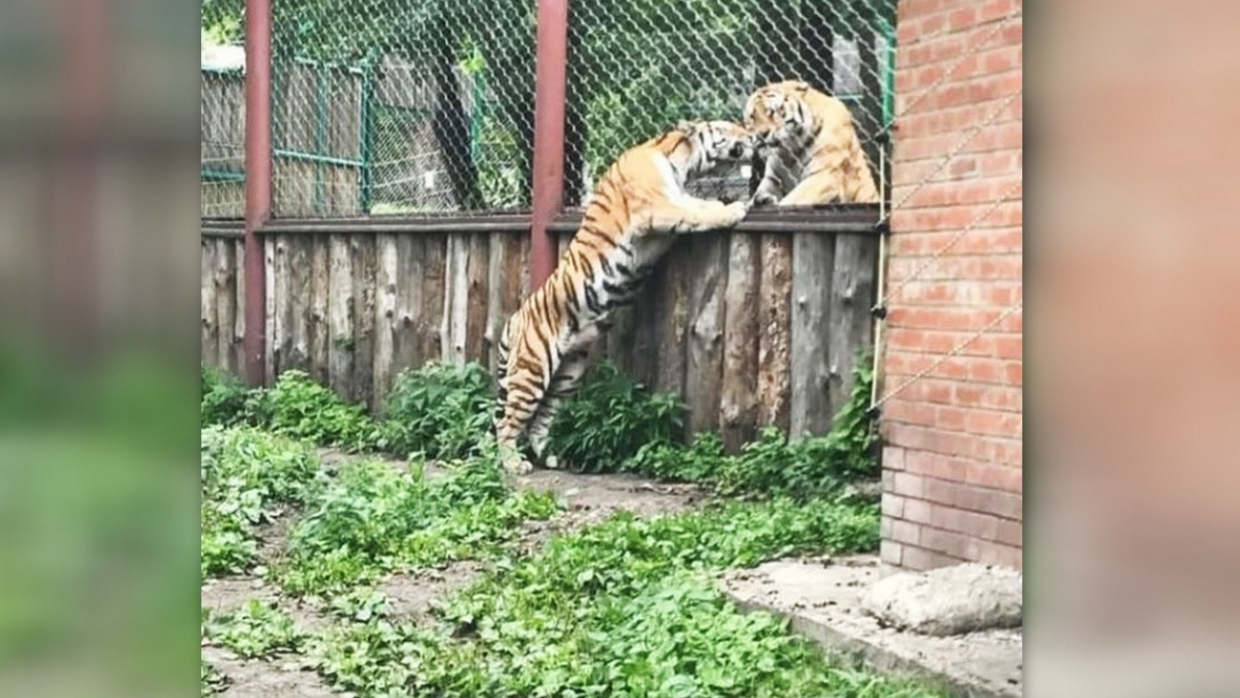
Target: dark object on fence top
(855,219)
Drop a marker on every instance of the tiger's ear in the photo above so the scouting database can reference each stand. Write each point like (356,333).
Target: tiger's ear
(800,86)
(686,127)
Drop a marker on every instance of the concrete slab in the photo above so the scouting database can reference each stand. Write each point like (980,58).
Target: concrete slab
(822,600)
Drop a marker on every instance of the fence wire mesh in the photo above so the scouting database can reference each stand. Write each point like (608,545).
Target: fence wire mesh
(637,66)
(397,107)
(426,107)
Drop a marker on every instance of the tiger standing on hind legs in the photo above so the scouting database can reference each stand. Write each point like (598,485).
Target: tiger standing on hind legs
(638,208)
(812,153)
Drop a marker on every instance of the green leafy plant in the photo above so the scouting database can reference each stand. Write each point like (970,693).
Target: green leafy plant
(256,629)
(773,465)
(247,475)
(299,407)
(211,680)
(610,418)
(622,608)
(373,518)
(224,398)
(441,410)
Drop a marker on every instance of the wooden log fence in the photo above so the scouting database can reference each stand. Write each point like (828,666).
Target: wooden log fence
(756,326)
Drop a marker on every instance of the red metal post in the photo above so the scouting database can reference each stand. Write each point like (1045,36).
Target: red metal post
(257,180)
(550,96)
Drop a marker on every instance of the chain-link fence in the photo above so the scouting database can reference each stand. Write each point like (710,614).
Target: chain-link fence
(637,66)
(427,106)
(396,107)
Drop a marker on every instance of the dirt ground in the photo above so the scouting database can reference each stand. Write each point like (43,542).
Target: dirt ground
(587,499)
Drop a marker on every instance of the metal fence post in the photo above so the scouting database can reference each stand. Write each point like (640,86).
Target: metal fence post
(257,181)
(550,93)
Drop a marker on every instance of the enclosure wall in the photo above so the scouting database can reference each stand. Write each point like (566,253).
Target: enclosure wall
(952,460)
(752,328)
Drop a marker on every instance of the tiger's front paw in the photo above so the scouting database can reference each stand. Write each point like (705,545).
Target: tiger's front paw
(761,199)
(736,212)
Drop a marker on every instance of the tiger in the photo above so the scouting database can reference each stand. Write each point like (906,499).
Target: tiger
(809,145)
(638,207)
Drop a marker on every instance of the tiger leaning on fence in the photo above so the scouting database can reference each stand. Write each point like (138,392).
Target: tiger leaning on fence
(638,207)
(812,153)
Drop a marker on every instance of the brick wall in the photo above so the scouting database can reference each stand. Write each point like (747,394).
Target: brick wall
(952,454)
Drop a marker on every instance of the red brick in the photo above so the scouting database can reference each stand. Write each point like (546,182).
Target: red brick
(1011,533)
(945,542)
(910,413)
(995,476)
(893,458)
(904,531)
(994,423)
(963,18)
(907,484)
(917,510)
(893,505)
(1008,348)
(990,553)
(922,559)
(996,9)
(891,552)
(1012,374)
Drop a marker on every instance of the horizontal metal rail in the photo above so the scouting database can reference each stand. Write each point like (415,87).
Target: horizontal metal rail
(848,219)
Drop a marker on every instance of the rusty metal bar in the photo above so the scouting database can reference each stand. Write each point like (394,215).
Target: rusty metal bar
(257,181)
(550,96)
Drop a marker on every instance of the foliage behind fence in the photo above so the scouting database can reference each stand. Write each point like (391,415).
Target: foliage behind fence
(427,107)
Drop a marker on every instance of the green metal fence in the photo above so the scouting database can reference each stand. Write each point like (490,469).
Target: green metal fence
(427,107)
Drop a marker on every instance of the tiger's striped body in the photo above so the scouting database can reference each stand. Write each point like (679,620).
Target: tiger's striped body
(814,155)
(638,207)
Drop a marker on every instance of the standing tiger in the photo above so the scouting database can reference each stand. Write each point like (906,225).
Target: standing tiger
(813,154)
(638,207)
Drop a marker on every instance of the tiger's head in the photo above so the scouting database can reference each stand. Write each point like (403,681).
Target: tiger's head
(716,145)
(776,115)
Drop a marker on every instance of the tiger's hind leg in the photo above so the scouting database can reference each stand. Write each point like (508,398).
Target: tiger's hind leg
(520,390)
(522,398)
(563,385)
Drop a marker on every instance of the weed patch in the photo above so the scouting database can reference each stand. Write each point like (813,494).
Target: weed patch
(256,629)
(610,418)
(371,519)
(440,410)
(247,474)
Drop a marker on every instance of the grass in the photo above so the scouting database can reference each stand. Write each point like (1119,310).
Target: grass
(627,607)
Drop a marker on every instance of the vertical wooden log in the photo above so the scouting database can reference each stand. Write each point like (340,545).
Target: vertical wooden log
(434,294)
(340,315)
(406,344)
(386,282)
(320,293)
(643,352)
(238,357)
(297,299)
(774,303)
(270,281)
(708,273)
(739,394)
(673,323)
(495,297)
(812,265)
(852,295)
(456,299)
(226,304)
(476,347)
(365,264)
(209,345)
